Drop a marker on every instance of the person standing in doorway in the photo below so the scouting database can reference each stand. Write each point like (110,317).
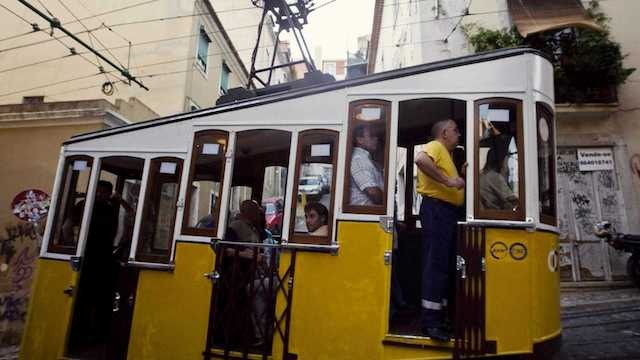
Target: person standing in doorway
(442,191)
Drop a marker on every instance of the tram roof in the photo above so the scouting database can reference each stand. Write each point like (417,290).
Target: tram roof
(312,90)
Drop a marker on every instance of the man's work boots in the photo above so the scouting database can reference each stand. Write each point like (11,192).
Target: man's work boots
(436,333)
(433,325)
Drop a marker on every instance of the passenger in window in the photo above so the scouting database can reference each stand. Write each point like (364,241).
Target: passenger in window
(495,192)
(315,216)
(367,183)
(245,227)
(442,191)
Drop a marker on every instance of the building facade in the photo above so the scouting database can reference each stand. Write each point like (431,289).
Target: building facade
(411,33)
(179,49)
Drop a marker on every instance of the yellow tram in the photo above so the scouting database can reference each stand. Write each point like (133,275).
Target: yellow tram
(178,285)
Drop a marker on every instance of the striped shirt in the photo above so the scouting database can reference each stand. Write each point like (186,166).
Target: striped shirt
(364,174)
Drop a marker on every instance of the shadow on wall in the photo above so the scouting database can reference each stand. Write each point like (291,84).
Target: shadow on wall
(19,248)
(635,164)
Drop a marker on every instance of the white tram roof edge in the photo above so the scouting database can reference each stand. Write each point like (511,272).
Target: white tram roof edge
(296,93)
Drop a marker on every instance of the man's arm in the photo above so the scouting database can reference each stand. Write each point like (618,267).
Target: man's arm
(374,194)
(426,165)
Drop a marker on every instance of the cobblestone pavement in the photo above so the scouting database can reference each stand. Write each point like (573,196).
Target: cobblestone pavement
(600,323)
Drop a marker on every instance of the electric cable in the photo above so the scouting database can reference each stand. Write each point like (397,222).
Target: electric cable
(90,34)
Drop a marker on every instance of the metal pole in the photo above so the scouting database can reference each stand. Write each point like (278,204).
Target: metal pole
(55,23)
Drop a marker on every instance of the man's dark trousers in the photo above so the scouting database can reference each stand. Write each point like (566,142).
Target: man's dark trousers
(439,220)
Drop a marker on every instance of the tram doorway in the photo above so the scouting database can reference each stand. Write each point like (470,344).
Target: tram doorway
(103,308)
(415,119)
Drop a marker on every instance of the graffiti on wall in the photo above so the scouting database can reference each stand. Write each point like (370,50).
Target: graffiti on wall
(19,248)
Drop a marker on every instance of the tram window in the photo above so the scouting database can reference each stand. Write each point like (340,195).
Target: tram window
(546,164)
(159,214)
(205,183)
(70,206)
(314,186)
(367,157)
(499,175)
(261,158)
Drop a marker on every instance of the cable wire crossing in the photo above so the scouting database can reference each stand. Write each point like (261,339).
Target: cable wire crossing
(55,24)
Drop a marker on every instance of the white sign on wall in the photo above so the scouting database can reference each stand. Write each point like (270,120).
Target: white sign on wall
(595,159)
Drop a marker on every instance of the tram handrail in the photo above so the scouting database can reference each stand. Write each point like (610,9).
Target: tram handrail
(333,249)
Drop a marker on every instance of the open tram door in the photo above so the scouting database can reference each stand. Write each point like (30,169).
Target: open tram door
(415,120)
(105,297)
(246,275)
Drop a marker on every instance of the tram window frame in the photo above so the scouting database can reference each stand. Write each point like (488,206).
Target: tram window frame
(304,139)
(61,214)
(544,110)
(492,214)
(153,178)
(200,138)
(354,107)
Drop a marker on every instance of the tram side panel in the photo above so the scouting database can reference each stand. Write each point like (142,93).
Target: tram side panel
(339,301)
(49,310)
(546,286)
(509,290)
(172,308)
(522,301)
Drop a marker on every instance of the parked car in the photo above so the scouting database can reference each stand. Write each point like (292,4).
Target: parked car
(311,185)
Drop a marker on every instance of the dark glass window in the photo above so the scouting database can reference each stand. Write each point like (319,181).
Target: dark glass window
(367,157)
(70,206)
(546,164)
(206,175)
(159,214)
(499,161)
(312,212)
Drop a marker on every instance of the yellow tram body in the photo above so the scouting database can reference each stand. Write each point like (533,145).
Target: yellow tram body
(339,306)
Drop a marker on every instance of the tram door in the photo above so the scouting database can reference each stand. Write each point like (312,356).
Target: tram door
(103,309)
(246,272)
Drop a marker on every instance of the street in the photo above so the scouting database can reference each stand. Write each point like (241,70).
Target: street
(600,323)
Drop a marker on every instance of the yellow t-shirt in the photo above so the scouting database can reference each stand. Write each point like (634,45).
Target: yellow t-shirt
(428,186)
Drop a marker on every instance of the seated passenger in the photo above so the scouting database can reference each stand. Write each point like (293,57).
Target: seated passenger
(316,217)
(495,193)
(245,227)
(367,182)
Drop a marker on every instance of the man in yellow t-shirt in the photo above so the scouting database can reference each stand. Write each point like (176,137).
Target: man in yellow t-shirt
(442,191)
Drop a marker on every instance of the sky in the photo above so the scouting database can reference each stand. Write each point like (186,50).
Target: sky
(336,27)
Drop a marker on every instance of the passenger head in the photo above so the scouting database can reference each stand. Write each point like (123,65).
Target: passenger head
(495,160)
(447,132)
(315,215)
(251,212)
(104,190)
(365,137)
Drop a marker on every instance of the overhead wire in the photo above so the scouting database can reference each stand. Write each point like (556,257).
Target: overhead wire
(45,8)
(16,14)
(143,43)
(22,46)
(90,34)
(111,72)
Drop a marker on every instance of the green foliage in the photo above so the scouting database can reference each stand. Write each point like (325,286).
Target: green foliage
(486,39)
(588,64)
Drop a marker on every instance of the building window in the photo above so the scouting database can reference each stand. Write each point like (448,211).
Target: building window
(315,183)
(205,183)
(367,157)
(499,176)
(546,164)
(158,218)
(74,186)
(224,78)
(203,48)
